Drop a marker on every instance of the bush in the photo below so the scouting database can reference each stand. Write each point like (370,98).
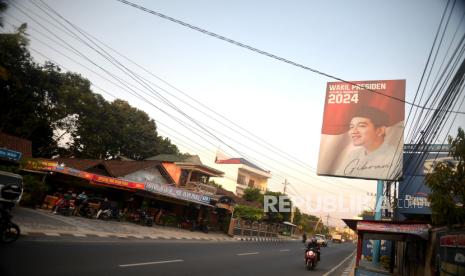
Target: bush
(169,221)
(34,191)
(248,213)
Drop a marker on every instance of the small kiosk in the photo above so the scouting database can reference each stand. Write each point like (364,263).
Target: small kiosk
(406,238)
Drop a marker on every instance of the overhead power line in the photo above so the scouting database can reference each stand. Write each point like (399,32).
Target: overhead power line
(262,52)
(118,80)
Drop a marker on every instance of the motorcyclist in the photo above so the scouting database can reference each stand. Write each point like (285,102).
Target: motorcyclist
(80,202)
(304,238)
(313,245)
(105,205)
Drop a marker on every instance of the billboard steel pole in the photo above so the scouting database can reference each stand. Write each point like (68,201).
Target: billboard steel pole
(379,200)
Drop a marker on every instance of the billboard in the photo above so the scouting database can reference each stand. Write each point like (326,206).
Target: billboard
(362,131)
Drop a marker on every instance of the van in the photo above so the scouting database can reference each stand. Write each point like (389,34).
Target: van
(11,188)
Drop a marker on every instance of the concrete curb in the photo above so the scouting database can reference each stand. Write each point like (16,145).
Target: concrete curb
(114,235)
(44,233)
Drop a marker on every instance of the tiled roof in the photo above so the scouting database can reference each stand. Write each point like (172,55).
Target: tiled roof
(193,160)
(121,168)
(240,161)
(115,168)
(77,163)
(166,158)
(17,144)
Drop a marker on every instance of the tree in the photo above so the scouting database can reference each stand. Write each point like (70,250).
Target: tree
(279,216)
(297,216)
(447,183)
(253,194)
(3,7)
(27,102)
(248,213)
(61,115)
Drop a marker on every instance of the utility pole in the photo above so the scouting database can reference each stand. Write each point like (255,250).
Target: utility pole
(285,185)
(327,220)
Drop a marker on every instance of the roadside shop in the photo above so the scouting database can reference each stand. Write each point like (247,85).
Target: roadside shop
(136,188)
(405,254)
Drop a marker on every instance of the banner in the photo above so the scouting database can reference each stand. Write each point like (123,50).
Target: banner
(362,132)
(176,192)
(94,178)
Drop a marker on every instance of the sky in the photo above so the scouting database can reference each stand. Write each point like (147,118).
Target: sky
(275,101)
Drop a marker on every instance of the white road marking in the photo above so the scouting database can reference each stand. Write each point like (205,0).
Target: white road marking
(52,234)
(336,267)
(284,250)
(151,263)
(245,254)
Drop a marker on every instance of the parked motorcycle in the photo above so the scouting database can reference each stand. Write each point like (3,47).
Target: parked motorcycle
(86,211)
(65,208)
(9,231)
(146,219)
(108,214)
(310,258)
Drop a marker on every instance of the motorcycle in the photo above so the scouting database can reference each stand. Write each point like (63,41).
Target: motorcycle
(146,219)
(86,211)
(65,208)
(311,258)
(9,231)
(108,214)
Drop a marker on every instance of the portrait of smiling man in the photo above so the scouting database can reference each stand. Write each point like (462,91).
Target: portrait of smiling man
(372,155)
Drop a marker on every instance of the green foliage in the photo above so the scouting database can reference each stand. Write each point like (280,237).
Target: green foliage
(297,216)
(213,183)
(253,195)
(44,105)
(169,220)
(3,7)
(34,190)
(248,213)
(309,222)
(366,213)
(447,185)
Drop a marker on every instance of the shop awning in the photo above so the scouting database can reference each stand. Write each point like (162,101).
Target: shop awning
(389,230)
(162,189)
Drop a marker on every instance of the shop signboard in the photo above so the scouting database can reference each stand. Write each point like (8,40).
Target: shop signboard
(362,130)
(451,252)
(420,230)
(10,154)
(176,192)
(413,192)
(157,188)
(95,178)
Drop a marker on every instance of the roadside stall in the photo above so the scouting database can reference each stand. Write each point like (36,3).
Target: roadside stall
(406,250)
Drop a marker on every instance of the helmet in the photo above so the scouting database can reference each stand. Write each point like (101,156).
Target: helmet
(313,240)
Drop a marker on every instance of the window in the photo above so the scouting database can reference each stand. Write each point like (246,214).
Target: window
(251,182)
(241,179)
(183,178)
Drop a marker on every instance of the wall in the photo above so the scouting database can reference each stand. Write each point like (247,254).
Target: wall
(229,181)
(173,170)
(147,175)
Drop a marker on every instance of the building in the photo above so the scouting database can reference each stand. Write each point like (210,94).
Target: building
(189,173)
(240,174)
(135,186)
(13,149)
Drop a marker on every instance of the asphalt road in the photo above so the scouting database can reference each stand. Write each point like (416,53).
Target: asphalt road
(132,257)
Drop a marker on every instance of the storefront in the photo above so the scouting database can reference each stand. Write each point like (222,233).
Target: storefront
(155,197)
(407,246)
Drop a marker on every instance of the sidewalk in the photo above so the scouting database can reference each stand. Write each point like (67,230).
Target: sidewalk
(38,222)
